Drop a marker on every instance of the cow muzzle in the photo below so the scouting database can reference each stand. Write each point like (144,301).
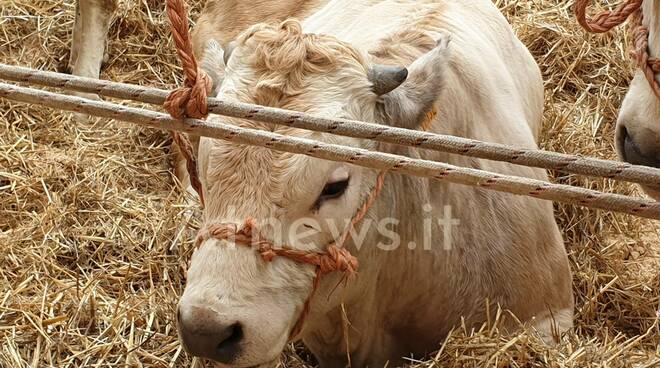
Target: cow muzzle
(640,149)
(205,333)
(237,309)
(237,336)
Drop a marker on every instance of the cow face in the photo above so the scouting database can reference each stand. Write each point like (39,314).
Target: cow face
(236,308)
(638,125)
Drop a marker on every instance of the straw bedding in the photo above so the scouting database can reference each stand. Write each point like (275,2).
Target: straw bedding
(92,256)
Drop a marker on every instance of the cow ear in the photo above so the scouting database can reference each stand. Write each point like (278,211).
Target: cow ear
(213,63)
(407,105)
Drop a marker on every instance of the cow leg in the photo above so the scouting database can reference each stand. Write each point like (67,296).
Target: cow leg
(75,41)
(90,34)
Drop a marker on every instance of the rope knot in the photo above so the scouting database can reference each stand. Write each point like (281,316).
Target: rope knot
(190,100)
(338,259)
(267,253)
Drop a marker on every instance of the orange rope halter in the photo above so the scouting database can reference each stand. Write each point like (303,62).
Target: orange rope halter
(335,258)
(607,20)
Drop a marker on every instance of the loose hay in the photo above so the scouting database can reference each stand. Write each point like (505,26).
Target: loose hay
(92,257)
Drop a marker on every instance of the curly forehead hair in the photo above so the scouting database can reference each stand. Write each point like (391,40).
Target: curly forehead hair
(284,58)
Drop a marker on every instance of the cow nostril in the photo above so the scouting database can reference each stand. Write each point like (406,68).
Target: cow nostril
(620,141)
(204,334)
(234,337)
(230,344)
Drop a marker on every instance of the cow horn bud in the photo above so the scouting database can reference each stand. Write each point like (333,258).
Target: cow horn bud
(386,78)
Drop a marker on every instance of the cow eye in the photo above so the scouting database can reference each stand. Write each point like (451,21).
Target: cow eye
(333,190)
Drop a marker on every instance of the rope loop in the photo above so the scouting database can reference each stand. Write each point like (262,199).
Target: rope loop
(188,101)
(640,52)
(605,20)
(335,257)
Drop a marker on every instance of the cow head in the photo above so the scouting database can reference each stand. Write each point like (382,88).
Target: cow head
(236,308)
(638,125)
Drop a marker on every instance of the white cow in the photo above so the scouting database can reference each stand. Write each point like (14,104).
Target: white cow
(421,272)
(638,126)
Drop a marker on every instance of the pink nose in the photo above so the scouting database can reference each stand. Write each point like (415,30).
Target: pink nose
(205,334)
